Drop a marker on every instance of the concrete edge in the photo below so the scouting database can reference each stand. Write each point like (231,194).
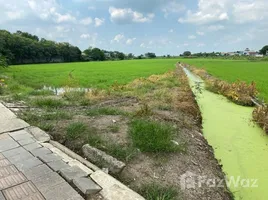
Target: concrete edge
(74,155)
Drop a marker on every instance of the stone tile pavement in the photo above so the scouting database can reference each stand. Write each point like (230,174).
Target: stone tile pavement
(31,168)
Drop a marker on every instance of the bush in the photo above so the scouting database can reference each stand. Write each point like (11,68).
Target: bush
(152,136)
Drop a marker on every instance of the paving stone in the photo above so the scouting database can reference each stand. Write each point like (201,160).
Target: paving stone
(57,165)
(20,135)
(2,196)
(49,158)
(87,186)
(41,151)
(62,191)
(72,173)
(20,157)
(8,170)
(37,171)
(47,181)
(12,180)
(14,152)
(12,125)
(26,141)
(32,146)
(4,163)
(5,114)
(24,165)
(39,134)
(7,143)
(25,191)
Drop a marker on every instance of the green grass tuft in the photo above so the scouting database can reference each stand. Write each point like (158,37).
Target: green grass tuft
(48,103)
(157,192)
(152,136)
(75,130)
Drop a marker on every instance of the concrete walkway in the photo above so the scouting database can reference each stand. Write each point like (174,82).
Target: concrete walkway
(31,168)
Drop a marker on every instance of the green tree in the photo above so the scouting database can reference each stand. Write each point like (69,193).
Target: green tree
(150,55)
(3,61)
(264,50)
(187,53)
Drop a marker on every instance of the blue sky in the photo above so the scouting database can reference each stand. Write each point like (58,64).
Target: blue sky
(139,26)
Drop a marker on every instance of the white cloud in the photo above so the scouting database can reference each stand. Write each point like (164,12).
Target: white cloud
(249,11)
(92,8)
(99,22)
(186,44)
(171,31)
(142,45)
(130,41)
(200,33)
(215,27)
(191,37)
(118,38)
(86,21)
(209,11)
(127,15)
(64,18)
(173,7)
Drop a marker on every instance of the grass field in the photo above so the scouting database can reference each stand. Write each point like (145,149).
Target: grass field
(233,70)
(88,74)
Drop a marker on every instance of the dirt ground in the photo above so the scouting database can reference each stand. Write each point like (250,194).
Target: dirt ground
(163,101)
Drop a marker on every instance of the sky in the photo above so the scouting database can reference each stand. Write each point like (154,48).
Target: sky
(140,26)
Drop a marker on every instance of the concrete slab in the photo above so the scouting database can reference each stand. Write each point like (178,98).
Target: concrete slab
(39,134)
(40,152)
(20,157)
(112,188)
(8,125)
(47,181)
(86,186)
(32,146)
(72,173)
(1,156)
(26,141)
(62,191)
(23,191)
(37,171)
(20,135)
(7,143)
(49,158)
(25,165)
(5,113)
(57,165)
(81,166)
(14,152)
(12,180)
(8,170)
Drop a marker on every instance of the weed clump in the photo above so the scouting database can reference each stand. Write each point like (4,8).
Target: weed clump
(260,116)
(48,103)
(74,130)
(156,192)
(104,111)
(152,136)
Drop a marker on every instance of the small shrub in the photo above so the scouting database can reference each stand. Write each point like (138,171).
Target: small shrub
(48,103)
(123,153)
(260,116)
(157,192)
(152,136)
(75,129)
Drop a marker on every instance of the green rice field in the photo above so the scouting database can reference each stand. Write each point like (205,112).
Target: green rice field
(86,74)
(233,70)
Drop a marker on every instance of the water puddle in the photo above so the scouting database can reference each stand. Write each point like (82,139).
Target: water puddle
(241,147)
(62,90)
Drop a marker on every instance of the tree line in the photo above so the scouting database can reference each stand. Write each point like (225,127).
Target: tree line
(25,48)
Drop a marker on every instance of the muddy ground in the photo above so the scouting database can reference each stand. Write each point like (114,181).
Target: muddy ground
(164,98)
